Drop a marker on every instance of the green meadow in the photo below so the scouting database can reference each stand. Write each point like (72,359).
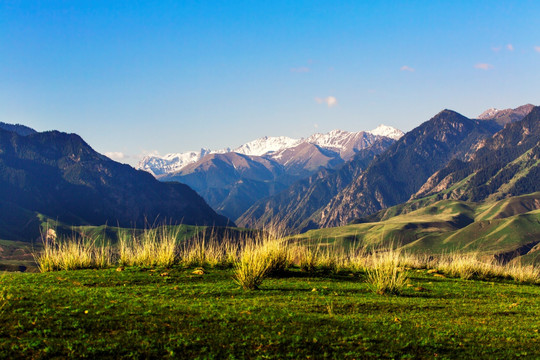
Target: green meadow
(174,313)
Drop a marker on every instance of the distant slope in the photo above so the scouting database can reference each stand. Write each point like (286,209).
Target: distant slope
(366,187)
(507,229)
(231,182)
(60,176)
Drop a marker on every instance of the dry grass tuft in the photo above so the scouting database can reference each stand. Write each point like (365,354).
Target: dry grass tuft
(252,267)
(384,272)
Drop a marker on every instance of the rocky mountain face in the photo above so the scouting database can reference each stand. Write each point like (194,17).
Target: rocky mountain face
(296,207)
(60,176)
(503,117)
(233,181)
(370,185)
(398,173)
(506,164)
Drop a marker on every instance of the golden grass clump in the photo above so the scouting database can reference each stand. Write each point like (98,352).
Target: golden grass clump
(253,265)
(73,253)
(155,247)
(523,273)
(467,266)
(384,272)
(209,250)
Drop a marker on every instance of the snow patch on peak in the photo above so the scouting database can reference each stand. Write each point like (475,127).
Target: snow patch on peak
(388,131)
(266,145)
(488,114)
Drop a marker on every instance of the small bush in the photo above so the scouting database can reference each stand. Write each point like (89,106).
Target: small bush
(277,254)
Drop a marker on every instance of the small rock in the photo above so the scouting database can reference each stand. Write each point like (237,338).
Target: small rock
(198,272)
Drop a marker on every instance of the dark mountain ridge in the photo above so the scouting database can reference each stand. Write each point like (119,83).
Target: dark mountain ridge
(17,128)
(60,176)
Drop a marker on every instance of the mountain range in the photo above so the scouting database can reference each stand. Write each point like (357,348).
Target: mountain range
(337,140)
(232,181)
(388,179)
(331,180)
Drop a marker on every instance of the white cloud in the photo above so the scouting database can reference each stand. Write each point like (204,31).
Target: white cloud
(407,68)
(330,101)
(116,155)
(510,47)
(537,49)
(483,66)
(316,126)
(301,69)
(496,48)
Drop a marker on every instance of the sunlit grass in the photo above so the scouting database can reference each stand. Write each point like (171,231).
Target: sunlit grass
(266,250)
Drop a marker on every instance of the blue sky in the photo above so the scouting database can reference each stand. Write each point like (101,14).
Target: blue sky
(138,77)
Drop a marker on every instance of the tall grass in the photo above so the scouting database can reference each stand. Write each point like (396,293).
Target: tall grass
(385,273)
(261,254)
(252,266)
(153,247)
(73,253)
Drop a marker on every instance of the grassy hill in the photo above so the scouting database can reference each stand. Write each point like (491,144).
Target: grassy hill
(508,228)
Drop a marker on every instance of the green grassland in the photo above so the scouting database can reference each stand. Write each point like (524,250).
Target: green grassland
(172,313)
(508,228)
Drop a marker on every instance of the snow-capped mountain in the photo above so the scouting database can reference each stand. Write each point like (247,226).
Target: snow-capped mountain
(387,131)
(344,143)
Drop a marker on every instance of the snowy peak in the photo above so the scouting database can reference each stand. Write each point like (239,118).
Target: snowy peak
(388,131)
(266,145)
(344,144)
(158,165)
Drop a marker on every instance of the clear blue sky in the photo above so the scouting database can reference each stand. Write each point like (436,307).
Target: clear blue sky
(171,76)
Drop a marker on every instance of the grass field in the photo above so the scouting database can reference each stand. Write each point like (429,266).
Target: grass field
(148,313)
